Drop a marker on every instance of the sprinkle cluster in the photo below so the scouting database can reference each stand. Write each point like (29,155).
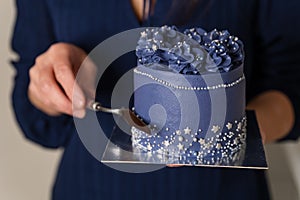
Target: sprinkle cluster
(224,145)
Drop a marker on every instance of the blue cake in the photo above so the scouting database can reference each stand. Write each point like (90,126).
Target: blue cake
(190,87)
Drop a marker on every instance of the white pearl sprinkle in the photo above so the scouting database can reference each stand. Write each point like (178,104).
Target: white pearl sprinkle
(180,138)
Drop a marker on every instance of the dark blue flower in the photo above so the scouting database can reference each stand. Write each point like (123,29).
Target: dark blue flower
(192,52)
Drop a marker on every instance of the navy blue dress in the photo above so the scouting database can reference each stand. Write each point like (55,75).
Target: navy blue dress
(270,34)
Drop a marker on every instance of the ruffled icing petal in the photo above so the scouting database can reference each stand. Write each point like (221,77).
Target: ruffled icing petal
(193,52)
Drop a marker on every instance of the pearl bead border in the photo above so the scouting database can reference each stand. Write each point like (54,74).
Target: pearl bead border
(214,87)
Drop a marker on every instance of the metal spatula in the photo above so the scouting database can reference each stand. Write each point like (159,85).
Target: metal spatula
(127,115)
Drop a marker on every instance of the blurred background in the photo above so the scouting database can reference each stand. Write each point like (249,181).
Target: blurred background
(27,170)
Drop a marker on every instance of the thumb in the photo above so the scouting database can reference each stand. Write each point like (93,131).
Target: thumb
(65,77)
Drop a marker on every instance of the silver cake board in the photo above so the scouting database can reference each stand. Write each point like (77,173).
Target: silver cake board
(119,151)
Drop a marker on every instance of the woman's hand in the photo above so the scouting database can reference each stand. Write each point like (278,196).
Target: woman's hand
(53,86)
(175,165)
(275,115)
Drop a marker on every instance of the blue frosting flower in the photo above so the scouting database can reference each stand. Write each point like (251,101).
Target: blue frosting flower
(192,52)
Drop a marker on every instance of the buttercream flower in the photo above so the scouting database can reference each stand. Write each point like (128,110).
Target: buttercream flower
(194,51)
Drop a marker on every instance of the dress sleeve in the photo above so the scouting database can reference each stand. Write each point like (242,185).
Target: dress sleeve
(32,35)
(278,50)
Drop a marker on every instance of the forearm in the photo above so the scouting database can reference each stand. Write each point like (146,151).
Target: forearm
(275,114)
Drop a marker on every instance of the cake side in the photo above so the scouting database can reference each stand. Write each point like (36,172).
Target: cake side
(191,119)
(190,88)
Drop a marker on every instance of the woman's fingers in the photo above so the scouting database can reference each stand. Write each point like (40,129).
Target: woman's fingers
(53,88)
(86,79)
(66,78)
(45,93)
(174,165)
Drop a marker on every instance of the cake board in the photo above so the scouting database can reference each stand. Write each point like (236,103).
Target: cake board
(119,151)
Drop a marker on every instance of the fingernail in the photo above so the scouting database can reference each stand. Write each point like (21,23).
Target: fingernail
(79,113)
(78,101)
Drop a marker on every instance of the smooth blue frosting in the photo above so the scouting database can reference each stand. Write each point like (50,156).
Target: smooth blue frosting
(217,112)
(194,51)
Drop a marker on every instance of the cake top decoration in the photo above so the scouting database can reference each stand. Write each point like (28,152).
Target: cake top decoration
(194,51)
